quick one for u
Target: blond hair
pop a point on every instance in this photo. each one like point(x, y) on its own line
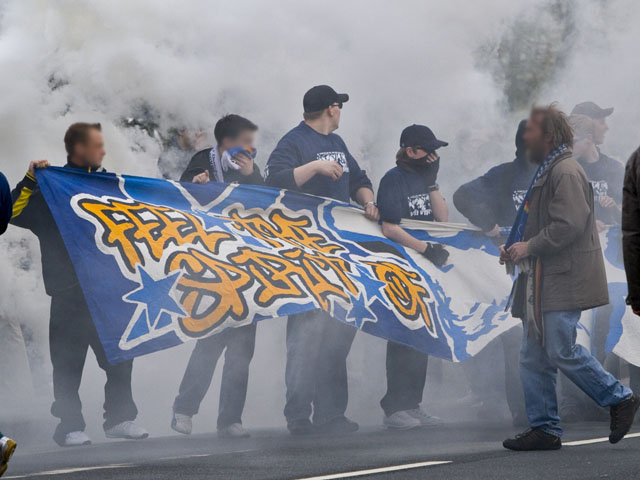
point(582, 125)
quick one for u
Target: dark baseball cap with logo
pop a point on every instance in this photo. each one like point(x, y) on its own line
point(422, 137)
point(591, 110)
point(322, 96)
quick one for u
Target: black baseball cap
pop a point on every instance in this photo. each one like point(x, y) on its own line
point(322, 96)
point(420, 136)
point(591, 110)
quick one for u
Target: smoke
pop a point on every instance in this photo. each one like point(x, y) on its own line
point(468, 70)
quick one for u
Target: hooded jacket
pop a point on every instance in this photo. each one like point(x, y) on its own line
point(494, 198)
point(30, 211)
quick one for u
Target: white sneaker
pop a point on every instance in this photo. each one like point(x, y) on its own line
point(235, 430)
point(76, 439)
point(181, 423)
point(128, 430)
point(7, 447)
point(401, 421)
point(424, 419)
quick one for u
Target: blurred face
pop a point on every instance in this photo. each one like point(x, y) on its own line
point(601, 129)
point(535, 141)
point(90, 153)
point(244, 139)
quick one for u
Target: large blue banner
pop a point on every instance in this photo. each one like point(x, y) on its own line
point(163, 262)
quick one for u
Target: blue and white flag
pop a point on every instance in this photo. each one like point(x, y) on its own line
point(162, 262)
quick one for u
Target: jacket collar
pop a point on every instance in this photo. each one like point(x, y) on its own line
point(558, 158)
point(70, 164)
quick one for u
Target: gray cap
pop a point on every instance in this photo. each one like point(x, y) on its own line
point(592, 110)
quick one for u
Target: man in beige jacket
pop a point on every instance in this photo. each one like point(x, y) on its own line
point(556, 248)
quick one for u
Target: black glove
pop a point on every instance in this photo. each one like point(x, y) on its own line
point(430, 173)
point(436, 254)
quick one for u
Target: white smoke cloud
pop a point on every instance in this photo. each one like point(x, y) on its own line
point(190, 62)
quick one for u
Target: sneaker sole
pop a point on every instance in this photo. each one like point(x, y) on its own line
point(88, 442)
point(402, 429)
point(183, 432)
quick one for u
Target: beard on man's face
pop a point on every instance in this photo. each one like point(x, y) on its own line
point(535, 156)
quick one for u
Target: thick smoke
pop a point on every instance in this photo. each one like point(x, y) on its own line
point(470, 70)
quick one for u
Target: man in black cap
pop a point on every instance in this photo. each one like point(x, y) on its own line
point(605, 174)
point(314, 160)
point(410, 191)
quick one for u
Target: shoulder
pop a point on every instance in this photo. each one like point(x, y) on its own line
point(568, 167)
point(393, 176)
point(3, 181)
point(202, 154)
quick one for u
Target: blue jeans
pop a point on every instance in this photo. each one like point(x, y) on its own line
point(316, 371)
point(539, 366)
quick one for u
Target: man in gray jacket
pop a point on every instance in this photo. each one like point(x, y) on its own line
point(555, 245)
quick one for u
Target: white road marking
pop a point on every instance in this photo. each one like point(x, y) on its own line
point(71, 470)
point(373, 471)
point(577, 443)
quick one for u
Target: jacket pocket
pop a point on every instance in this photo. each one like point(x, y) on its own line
point(556, 265)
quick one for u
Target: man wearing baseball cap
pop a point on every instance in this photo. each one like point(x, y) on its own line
point(410, 191)
point(605, 174)
point(314, 160)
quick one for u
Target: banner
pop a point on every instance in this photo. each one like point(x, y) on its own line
point(162, 263)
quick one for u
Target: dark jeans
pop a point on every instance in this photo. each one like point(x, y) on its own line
point(239, 344)
point(316, 372)
point(71, 333)
point(406, 376)
point(634, 378)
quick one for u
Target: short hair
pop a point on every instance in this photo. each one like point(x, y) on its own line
point(554, 123)
point(582, 125)
point(78, 133)
point(231, 125)
point(310, 116)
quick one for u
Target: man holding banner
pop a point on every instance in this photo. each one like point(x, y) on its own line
point(71, 328)
point(233, 133)
point(554, 243)
point(314, 160)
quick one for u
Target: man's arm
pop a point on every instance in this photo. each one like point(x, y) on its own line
point(439, 206)
point(25, 198)
point(198, 164)
point(569, 211)
point(631, 229)
point(478, 200)
point(279, 171)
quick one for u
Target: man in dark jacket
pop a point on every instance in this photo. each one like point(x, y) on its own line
point(7, 445)
point(605, 174)
point(71, 328)
point(631, 241)
point(491, 202)
point(233, 133)
point(313, 159)
point(554, 243)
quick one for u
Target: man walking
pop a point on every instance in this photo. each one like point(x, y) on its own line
point(314, 160)
point(554, 243)
point(71, 329)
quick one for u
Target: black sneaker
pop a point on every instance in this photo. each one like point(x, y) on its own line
point(300, 427)
point(533, 439)
point(622, 418)
point(338, 426)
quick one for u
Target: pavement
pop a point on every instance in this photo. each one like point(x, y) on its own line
point(454, 451)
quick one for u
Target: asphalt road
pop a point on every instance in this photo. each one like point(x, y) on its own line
point(472, 451)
